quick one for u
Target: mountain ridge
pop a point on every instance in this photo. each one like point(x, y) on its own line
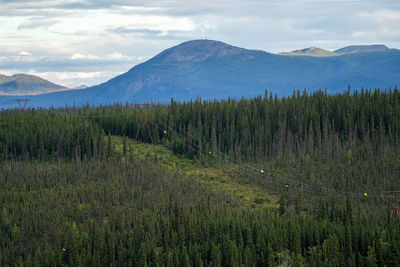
point(215, 70)
point(310, 51)
point(22, 84)
point(352, 49)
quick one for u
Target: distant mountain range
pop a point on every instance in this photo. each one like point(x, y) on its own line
point(353, 49)
point(311, 51)
point(212, 69)
point(22, 84)
point(361, 49)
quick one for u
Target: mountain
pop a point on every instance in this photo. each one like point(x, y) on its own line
point(361, 49)
point(22, 84)
point(5, 79)
point(311, 51)
point(212, 69)
point(352, 49)
point(82, 86)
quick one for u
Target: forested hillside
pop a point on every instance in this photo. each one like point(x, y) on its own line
point(69, 195)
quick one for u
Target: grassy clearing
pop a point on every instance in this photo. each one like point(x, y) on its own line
point(220, 178)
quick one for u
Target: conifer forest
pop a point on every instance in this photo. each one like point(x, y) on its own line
point(266, 181)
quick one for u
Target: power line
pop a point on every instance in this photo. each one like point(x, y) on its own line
point(302, 185)
point(22, 103)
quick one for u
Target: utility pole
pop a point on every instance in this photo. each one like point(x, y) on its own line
point(22, 103)
point(393, 199)
point(142, 108)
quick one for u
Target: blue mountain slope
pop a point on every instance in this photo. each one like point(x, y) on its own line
point(361, 49)
point(211, 69)
point(19, 84)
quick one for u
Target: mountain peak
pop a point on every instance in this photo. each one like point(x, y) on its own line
point(27, 78)
point(310, 51)
point(198, 50)
point(352, 49)
point(22, 84)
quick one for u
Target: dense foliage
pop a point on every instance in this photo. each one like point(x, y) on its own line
point(107, 213)
point(66, 198)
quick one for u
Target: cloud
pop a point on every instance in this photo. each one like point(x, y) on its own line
point(69, 79)
point(29, 4)
point(151, 33)
point(113, 56)
point(63, 77)
point(124, 30)
point(82, 56)
point(117, 56)
point(67, 64)
point(24, 53)
point(99, 36)
point(36, 23)
point(380, 24)
point(72, 79)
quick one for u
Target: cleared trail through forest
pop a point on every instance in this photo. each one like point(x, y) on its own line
point(222, 179)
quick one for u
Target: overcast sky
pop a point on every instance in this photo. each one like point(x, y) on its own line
point(72, 42)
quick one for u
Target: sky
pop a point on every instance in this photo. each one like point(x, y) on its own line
point(73, 42)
